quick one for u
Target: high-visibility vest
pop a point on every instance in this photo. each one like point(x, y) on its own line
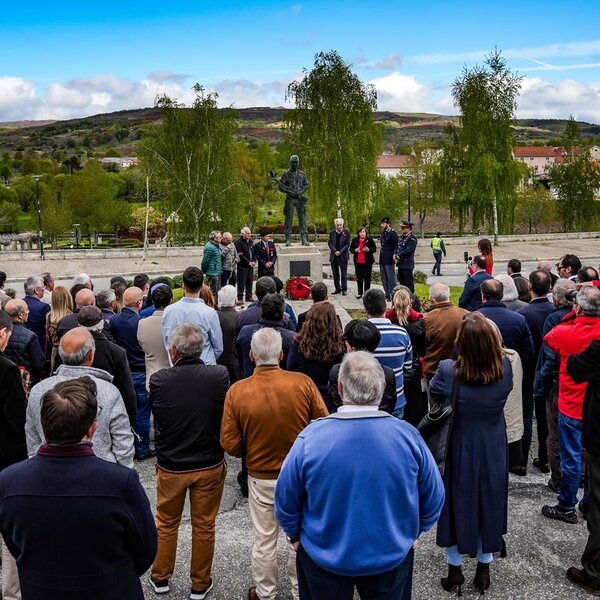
point(436, 244)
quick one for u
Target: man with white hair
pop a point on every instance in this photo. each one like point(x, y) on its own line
point(510, 295)
point(565, 340)
point(84, 279)
point(227, 319)
point(229, 259)
point(263, 415)
point(339, 245)
point(441, 326)
point(369, 542)
point(246, 264)
point(34, 292)
point(113, 440)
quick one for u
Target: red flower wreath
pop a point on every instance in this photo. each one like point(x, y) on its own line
point(298, 288)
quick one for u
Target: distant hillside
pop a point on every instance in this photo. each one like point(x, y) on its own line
point(118, 132)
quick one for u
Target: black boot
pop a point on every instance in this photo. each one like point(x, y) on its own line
point(454, 580)
point(482, 577)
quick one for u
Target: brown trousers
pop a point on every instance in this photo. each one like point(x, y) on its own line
point(206, 489)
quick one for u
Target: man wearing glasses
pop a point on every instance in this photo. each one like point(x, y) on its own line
point(568, 267)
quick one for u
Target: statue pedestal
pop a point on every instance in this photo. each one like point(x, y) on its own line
point(299, 261)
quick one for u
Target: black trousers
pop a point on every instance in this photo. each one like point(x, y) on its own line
point(405, 277)
point(315, 583)
point(339, 268)
point(245, 276)
point(228, 278)
point(542, 427)
point(437, 267)
point(591, 555)
point(363, 277)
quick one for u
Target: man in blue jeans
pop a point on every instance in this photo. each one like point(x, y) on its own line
point(124, 329)
point(568, 338)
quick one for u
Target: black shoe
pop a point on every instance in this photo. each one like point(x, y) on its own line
point(388, 298)
point(560, 514)
point(433, 272)
point(482, 577)
point(454, 581)
point(580, 579)
point(344, 293)
point(543, 467)
point(553, 485)
point(160, 587)
point(200, 595)
point(336, 292)
point(149, 454)
point(359, 296)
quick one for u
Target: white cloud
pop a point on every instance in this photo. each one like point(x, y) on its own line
point(15, 95)
point(556, 100)
point(402, 93)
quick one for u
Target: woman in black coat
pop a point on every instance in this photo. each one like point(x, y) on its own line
point(474, 517)
point(363, 250)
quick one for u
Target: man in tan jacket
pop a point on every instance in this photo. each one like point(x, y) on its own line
point(150, 332)
point(262, 418)
point(441, 326)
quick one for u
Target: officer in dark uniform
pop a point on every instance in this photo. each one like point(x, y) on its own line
point(405, 255)
point(388, 242)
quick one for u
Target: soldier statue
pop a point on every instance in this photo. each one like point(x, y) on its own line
point(294, 184)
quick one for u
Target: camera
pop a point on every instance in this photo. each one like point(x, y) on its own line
point(466, 257)
point(571, 295)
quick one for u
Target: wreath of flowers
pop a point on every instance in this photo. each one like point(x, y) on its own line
point(298, 288)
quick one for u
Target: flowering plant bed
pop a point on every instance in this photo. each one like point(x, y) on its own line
point(298, 288)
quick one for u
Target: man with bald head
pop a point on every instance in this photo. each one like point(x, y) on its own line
point(84, 297)
point(113, 440)
point(23, 346)
point(124, 328)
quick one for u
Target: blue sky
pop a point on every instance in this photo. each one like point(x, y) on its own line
point(74, 59)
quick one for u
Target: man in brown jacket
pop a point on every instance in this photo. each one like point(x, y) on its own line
point(441, 325)
point(262, 418)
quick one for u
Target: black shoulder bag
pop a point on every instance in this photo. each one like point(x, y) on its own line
point(436, 427)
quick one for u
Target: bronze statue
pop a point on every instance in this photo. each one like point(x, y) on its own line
point(294, 184)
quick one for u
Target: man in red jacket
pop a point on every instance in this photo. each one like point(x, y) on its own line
point(566, 339)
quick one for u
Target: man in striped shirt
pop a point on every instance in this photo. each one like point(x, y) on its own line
point(395, 349)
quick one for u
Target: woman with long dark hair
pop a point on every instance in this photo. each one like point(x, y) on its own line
point(318, 347)
point(474, 517)
point(363, 249)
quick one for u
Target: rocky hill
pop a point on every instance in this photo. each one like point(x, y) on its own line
point(119, 131)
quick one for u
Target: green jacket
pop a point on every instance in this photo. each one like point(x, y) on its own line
point(211, 259)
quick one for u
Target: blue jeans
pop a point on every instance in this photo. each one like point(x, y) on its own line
point(455, 557)
point(388, 278)
point(142, 422)
point(569, 434)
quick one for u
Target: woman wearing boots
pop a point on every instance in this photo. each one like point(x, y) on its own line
point(474, 516)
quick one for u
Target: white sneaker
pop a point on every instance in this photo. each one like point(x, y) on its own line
point(194, 595)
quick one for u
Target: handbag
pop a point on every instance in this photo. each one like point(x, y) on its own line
point(436, 426)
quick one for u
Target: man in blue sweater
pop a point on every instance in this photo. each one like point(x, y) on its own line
point(329, 498)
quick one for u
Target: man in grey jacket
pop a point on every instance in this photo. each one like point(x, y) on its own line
point(113, 440)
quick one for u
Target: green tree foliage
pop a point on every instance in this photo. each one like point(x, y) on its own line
point(535, 206)
point(576, 187)
point(9, 210)
point(478, 172)
point(24, 188)
point(90, 195)
point(333, 132)
point(424, 196)
point(571, 136)
point(390, 199)
point(156, 222)
point(56, 211)
point(193, 151)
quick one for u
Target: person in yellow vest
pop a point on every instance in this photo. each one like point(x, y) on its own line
point(437, 245)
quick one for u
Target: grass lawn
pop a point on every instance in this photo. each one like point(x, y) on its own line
point(422, 290)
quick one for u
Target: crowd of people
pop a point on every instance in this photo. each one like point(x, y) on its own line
point(93, 379)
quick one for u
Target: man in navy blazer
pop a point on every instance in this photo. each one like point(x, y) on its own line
point(78, 526)
point(339, 244)
point(34, 292)
point(266, 255)
point(470, 299)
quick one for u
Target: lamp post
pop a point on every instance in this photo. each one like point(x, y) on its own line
point(76, 225)
point(39, 212)
point(408, 178)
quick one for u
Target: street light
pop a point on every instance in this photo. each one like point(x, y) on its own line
point(408, 178)
point(39, 211)
point(76, 225)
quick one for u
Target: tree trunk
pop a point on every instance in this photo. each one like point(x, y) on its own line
point(495, 220)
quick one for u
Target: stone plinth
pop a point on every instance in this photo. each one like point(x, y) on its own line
point(298, 260)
